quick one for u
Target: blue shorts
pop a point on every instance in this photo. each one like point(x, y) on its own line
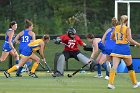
point(108, 51)
point(121, 50)
point(21, 47)
point(26, 51)
point(6, 47)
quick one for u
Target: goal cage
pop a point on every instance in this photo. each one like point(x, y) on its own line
point(128, 2)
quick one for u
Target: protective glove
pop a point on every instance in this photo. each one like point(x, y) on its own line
point(57, 40)
point(88, 48)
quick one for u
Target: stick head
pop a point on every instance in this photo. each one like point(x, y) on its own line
point(69, 75)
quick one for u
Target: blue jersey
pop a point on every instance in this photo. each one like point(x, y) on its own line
point(104, 50)
point(101, 47)
point(24, 40)
point(7, 37)
point(109, 43)
point(6, 47)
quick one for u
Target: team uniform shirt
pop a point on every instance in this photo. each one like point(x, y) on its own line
point(24, 40)
point(101, 47)
point(31, 48)
point(72, 43)
point(6, 47)
point(109, 43)
point(121, 48)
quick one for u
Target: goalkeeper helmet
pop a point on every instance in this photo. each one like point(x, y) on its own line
point(71, 33)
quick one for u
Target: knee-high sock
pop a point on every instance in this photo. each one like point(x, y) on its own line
point(99, 69)
point(28, 63)
point(112, 76)
point(105, 67)
point(108, 65)
point(12, 69)
point(19, 70)
point(17, 61)
point(132, 76)
point(34, 67)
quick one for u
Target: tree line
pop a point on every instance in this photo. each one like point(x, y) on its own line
point(55, 16)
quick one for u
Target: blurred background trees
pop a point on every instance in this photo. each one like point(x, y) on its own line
point(55, 16)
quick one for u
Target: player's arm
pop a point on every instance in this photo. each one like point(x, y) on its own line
point(81, 43)
point(95, 49)
point(33, 36)
point(113, 35)
point(85, 46)
point(10, 34)
point(16, 40)
point(41, 51)
point(130, 39)
point(104, 36)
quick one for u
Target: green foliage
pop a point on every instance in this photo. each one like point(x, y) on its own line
point(52, 16)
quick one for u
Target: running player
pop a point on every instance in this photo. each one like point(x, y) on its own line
point(29, 53)
point(122, 35)
point(25, 37)
point(97, 44)
point(8, 44)
point(71, 50)
point(109, 43)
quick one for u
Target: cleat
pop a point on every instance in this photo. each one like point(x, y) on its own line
point(136, 85)
point(57, 74)
point(25, 68)
point(106, 77)
point(98, 76)
point(111, 86)
point(7, 75)
point(33, 75)
point(18, 75)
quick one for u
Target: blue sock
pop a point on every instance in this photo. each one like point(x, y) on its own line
point(17, 61)
point(19, 70)
point(99, 69)
point(105, 67)
point(28, 63)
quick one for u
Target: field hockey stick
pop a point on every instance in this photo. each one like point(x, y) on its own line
point(71, 75)
point(54, 40)
point(64, 44)
point(133, 45)
point(41, 65)
point(48, 67)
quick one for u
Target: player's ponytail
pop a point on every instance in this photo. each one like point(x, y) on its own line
point(46, 37)
point(12, 23)
point(124, 19)
point(114, 21)
point(28, 23)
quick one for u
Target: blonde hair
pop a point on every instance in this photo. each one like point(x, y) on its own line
point(124, 19)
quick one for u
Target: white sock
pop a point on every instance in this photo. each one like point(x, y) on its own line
point(108, 66)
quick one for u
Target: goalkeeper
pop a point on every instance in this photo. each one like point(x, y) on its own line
point(71, 41)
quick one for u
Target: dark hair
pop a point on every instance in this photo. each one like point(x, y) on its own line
point(114, 21)
point(90, 36)
point(28, 23)
point(45, 37)
point(12, 23)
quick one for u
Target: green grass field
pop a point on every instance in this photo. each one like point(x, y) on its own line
point(80, 83)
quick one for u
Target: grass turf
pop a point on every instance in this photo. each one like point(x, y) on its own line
point(80, 83)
